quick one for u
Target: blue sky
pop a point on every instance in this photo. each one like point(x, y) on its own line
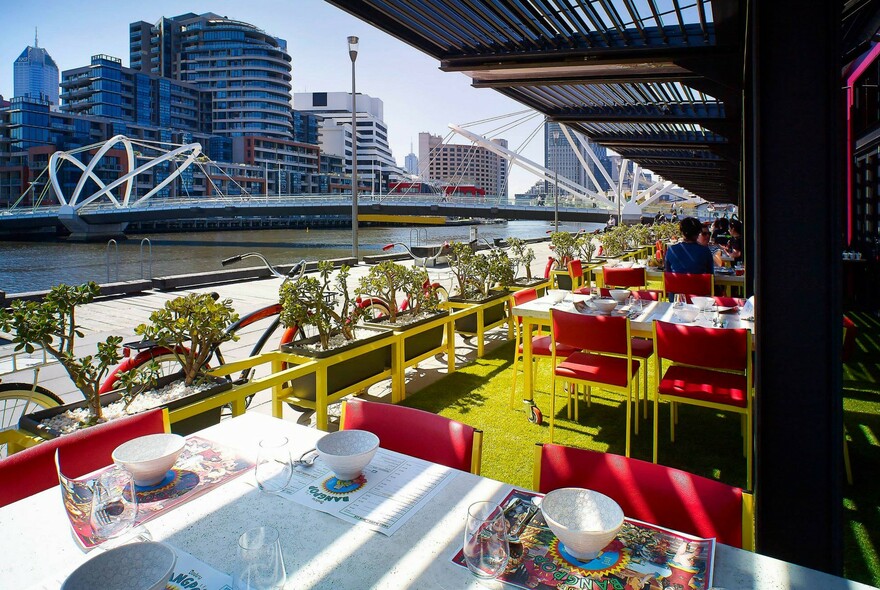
point(416, 94)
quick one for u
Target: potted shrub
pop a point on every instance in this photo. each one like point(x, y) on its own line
point(51, 324)
point(385, 282)
point(565, 248)
point(475, 275)
point(523, 256)
point(587, 247)
point(615, 241)
point(308, 303)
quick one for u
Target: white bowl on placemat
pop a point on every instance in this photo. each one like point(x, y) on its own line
point(148, 458)
point(136, 566)
point(604, 304)
point(557, 295)
point(584, 521)
point(619, 295)
point(347, 452)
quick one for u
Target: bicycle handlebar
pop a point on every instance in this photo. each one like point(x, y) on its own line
point(296, 270)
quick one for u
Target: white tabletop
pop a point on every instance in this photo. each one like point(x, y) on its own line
point(320, 550)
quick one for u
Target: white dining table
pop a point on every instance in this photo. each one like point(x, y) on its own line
point(536, 313)
point(320, 550)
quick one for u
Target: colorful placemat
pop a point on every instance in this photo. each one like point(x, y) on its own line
point(201, 466)
point(643, 556)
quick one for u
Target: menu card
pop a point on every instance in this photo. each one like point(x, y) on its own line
point(642, 556)
point(389, 491)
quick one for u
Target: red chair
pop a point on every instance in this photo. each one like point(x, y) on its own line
point(576, 272)
point(624, 278)
point(653, 493)
point(702, 285)
point(710, 367)
point(605, 359)
point(33, 470)
point(540, 344)
point(417, 433)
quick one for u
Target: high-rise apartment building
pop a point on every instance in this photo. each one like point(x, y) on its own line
point(247, 71)
point(36, 75)
point(106, 89)
point(375, 164)
point(457, 164)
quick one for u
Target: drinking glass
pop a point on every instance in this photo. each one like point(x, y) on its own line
point(274, 466)
point(114, 504)
point(260, 564)
point(486, 549)
point(678, 302)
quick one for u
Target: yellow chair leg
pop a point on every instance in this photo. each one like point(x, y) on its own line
point(552, 407)
point(629, 417)
point(656, 424)
point(749, 453)
point(846, 464)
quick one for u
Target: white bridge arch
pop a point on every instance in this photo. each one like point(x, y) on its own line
point(76, 200)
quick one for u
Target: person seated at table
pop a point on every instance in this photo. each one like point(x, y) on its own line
point(734, 246)
point(689, 256)
point(714, 249)
point(720, 231)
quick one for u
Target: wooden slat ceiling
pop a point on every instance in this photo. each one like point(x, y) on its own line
point(657, 81)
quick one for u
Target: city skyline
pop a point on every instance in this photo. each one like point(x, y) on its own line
point(417, 96)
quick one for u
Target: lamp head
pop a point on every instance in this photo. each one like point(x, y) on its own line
point(353, 48)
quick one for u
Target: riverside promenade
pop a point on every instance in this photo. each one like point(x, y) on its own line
point(118, 316)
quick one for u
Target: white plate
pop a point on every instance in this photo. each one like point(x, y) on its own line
point(137, 566)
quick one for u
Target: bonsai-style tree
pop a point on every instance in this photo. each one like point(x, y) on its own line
point(191, 327)
point(476, 273)
point(500, 269)
point(522, 255)
point(586, 247)
point(388, 279)
point(641, 234)
point(565, 246)
point(51, 324)
point(614, 241)
point(307, 301)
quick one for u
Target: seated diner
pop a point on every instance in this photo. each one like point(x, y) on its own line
point(689, 256)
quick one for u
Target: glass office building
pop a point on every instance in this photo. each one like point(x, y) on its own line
point(247, 71)
point(36, 75)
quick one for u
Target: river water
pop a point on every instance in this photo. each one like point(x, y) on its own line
point(34, 266)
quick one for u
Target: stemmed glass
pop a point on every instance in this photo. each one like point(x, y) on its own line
point(114, 504)
point(678, 303)
point(274, 466)
point(260, 563)
point(486, 548)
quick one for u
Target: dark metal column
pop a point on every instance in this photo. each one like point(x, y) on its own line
point(796, 186)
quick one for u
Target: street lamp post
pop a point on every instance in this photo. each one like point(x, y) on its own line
point(556, 180)
point(353, 53)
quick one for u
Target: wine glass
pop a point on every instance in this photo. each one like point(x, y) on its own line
point(114, 504)
point(678, 303)
point(274, 466)
point(260, 563)
point(486, 549)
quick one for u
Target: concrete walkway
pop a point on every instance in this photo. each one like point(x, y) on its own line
point(119, 316)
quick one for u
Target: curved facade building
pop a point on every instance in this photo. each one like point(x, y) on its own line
point(247, 71)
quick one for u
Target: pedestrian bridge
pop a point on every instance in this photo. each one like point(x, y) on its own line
point(98, 221)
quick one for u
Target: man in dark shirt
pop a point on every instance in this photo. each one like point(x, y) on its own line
point(689, 256)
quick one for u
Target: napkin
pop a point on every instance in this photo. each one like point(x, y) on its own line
point(748, 309)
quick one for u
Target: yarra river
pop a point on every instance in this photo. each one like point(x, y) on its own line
point(34, 266)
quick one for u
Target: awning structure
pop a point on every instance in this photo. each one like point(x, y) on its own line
point(657, 81)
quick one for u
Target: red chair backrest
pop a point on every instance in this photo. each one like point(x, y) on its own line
point(726, 301)
point(413, 432)
point(643, 294)
point(523, 296)
point(654, 493)
point(33, 470)
point(717, 348)
point(624, 277)
point(590, 332)
point(688, 284)
point(575, 269)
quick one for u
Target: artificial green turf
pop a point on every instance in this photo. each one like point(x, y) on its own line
point(707, 442)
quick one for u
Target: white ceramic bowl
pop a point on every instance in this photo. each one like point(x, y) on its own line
point(687, 313)
point(604, 304)
point(136, 566)
point(557, 295)
point(619, 295)
point(583, 520)
point(148, 458)
point(702, 303)
point(625, 264)
point(347, 452)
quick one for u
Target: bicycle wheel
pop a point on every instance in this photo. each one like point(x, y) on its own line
point(18, 399)
point(375, 310)
point(442, 293)
point(168, 365)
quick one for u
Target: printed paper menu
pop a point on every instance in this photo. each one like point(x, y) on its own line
point(391, 489)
